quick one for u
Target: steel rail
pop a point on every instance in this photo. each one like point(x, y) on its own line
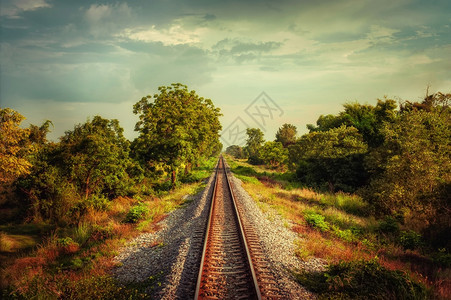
point(242, 235)
point(204, 251)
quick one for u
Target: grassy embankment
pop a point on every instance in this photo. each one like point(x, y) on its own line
point(42, 261)
point(368, 258)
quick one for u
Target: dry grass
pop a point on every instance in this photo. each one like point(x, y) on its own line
point(83, 253)
point(14, 242)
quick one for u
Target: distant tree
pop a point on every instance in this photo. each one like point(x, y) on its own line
point(15, 146)
point(366, 118)
point(254, 144)
point(176, 129)
point(286, 135)
point(274, 154)
point(236, 151)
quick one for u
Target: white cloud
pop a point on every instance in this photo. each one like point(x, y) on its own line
point(14, 8)
point(379, 34)
point(107, 19)
point(174, 35)
point(96, 13)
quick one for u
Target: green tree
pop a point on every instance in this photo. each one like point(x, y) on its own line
point(38, 134)
point(286, 135)
point(326, 122)
point(177, 129)
point(411, 169)
point(254, 144)
point(236, 151)
point(90, 165)
point(330, 158)
point(274, 154)
point(15, 146)
point(366, 118)
point(98, 156)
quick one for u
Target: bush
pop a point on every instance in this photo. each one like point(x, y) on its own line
point(98, 202)
point(410, 239)
point(442, 257)
point(136, 213)
point(346, 235)
point(243, 170)
point(316, 220)
point(362, 280)
point(388, 225)
point(100, 233)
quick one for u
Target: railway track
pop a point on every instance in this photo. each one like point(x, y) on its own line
point(233, 265)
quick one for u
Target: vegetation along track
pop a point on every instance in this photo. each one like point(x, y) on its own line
point(233, 265)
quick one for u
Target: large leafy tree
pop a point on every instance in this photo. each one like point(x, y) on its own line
point(368, 119)
point(97, 157)
point(330, 158)
point(254, 145)
point(90, 164)
point(177, 128)
point(15, 146)
point(274, 154)
point(286, 135)
point(411, 169)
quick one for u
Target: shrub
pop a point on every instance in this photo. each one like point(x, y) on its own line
point(346, 235)
point(67, 245)
point(316, 220)
point(136, 213)
point(443, 258)
point(388, 225)
point(243, 170)
point(362, 280)
point(410, 239)
point(100, 233)
point(98, 202)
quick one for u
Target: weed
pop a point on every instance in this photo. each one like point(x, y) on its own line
point(410, 239)
point(136, 213)
point(67, 245)
point(316, 220)
point(346, 235)
point(82, 233)
point(388, 225)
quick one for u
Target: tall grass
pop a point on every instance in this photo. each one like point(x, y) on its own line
point(82, 232)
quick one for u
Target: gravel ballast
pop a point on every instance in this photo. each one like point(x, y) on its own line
point(171, 256)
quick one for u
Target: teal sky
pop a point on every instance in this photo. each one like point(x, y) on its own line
point(69, 60)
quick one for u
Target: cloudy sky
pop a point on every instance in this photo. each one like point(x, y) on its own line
point(68, 60)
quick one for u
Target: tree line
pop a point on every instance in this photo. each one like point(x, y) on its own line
point(94, 163)
point(398, 158)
